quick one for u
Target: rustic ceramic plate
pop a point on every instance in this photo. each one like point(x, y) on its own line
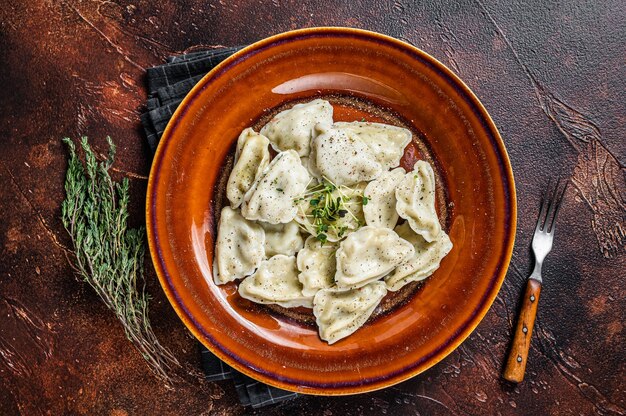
point(364, 75)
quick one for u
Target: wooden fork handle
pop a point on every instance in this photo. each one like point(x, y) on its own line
point(516, 364)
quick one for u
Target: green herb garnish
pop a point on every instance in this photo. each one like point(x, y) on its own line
point(109, 255)
point(365, 200)
point(327, 204)
point(322, 238)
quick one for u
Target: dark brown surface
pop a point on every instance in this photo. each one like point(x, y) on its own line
point(552, 77)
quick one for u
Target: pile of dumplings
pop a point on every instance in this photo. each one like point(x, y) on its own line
point(261, 235)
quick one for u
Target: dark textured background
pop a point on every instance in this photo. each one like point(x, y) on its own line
point(551, 74)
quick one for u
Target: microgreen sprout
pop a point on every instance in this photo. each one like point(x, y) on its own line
point(325, 209)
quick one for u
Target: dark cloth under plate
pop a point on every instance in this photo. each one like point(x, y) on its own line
point(167, 86)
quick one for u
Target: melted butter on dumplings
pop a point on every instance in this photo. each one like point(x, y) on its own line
point(293, 128)
point(369, 254)
point(338, 313)
point(423, 263)
point(239, 248)
point(276, 281)
point(251, 158)
point(270, 199)
point(415, 197)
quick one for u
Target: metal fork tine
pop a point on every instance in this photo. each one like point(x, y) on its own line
point(543, 208)
point(551, 199)
point(558, 201)
point(551, 205)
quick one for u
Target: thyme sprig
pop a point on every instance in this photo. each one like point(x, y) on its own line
point(109, 256)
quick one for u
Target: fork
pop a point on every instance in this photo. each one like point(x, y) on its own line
point(542, 244)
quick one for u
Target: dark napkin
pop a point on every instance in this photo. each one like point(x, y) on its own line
point(167, 86)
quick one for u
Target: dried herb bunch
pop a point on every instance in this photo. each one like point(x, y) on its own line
point(108, 255)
